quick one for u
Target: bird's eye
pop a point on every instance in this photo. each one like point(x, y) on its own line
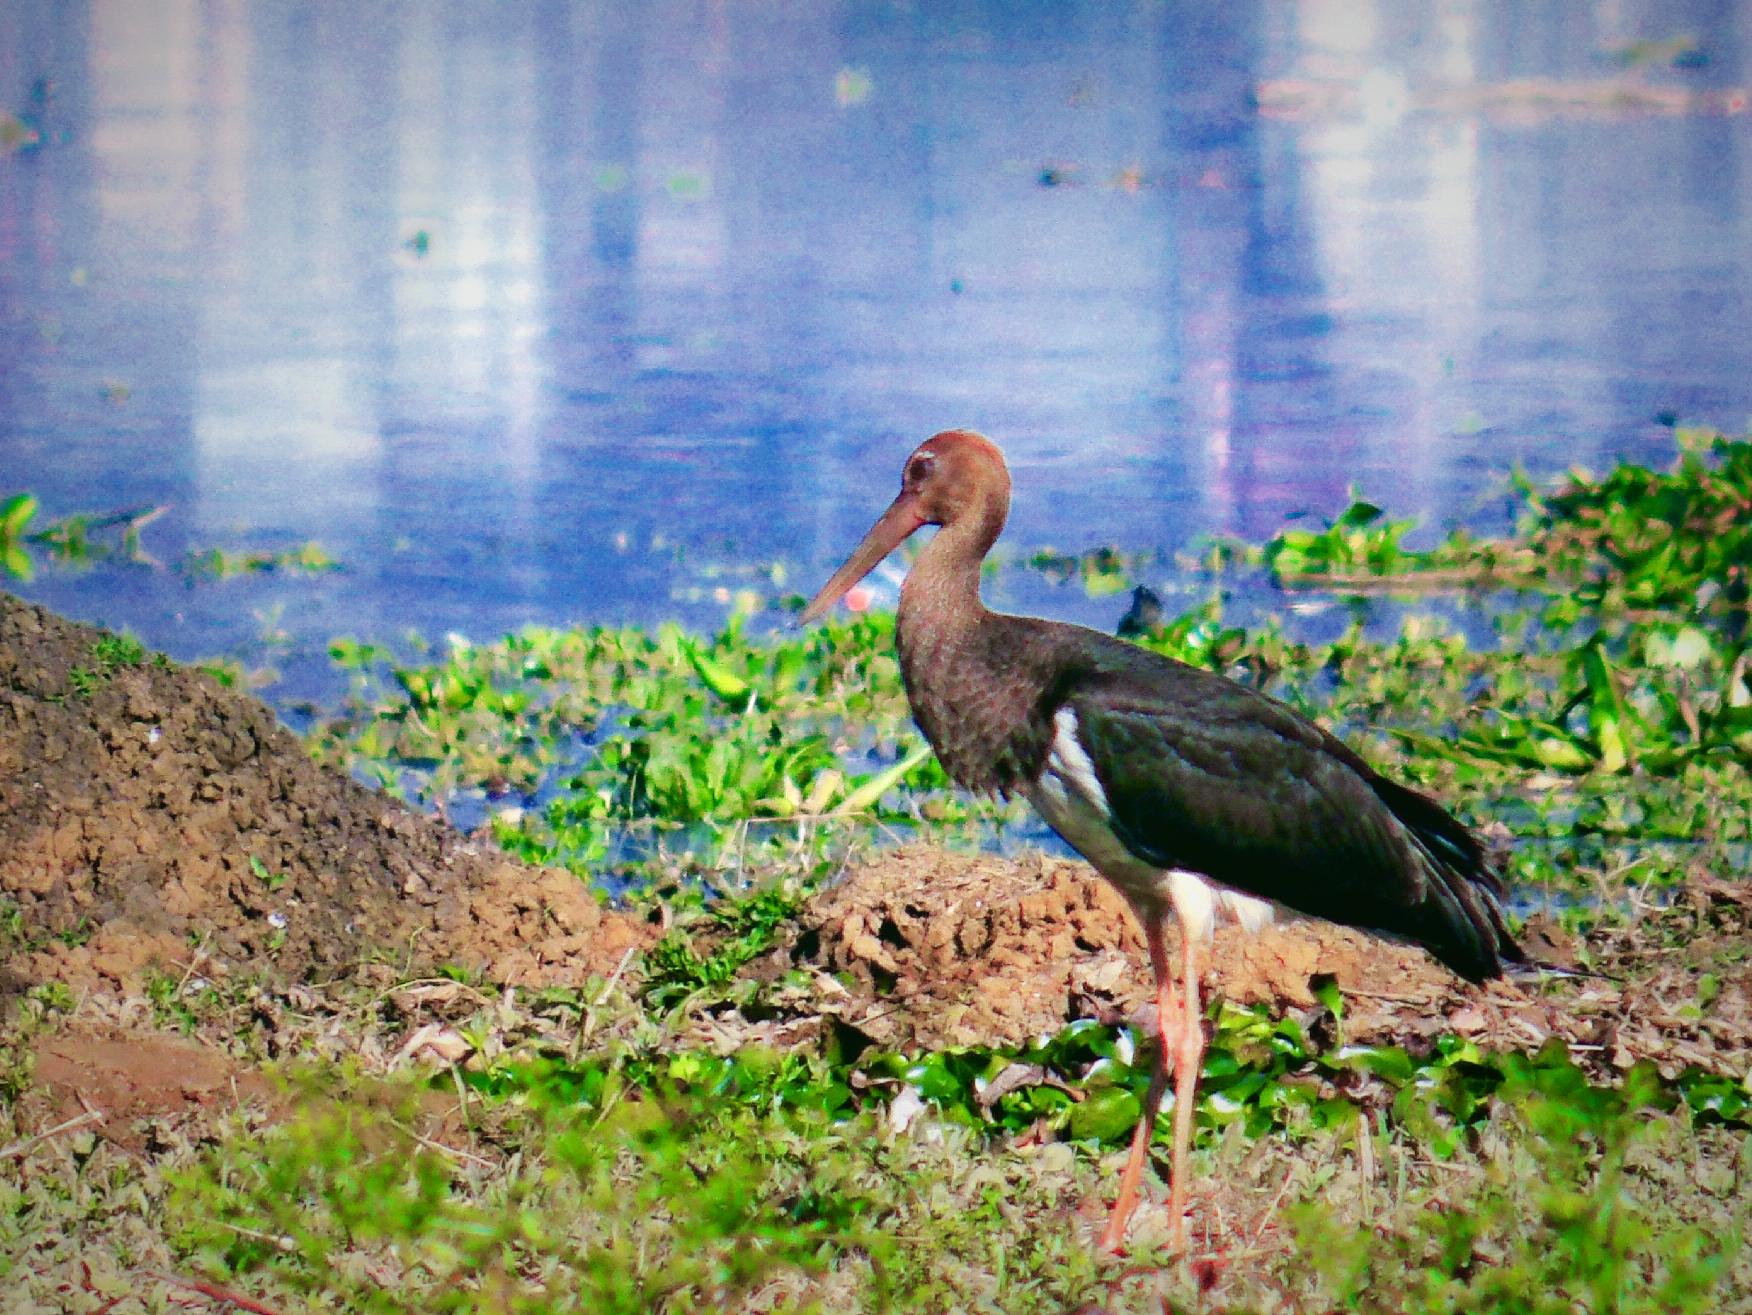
point(919, 468)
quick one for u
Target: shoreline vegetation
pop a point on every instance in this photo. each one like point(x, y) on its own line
point(783, 1023)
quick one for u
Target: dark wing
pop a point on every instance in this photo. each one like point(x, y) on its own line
point(1204, 774)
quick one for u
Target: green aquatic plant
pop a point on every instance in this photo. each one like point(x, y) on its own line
point(598, 747)
point(16, 513)
point(628, 729)
point(1689, 697)
point(1677, 542)
point(1100, 571)
point(86, 539)
point(218, 564)
point(1359, 541)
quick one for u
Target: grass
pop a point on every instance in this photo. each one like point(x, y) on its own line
point(587, 1150)
point(653, 1180)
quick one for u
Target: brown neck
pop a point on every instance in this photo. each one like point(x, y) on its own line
point(970, 674)
point(941, 590)
point(940, 596)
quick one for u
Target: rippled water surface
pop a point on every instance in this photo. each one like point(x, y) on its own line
point(551, 311)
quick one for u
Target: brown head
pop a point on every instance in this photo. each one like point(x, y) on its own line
point(956, 479)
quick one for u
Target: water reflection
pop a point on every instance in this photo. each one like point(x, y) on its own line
point(478, 296)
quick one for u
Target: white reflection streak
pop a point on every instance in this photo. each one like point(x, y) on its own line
point(1420, 258)
point(287, 432)
point(1455, 22)
point(1211, 334)
point(1452, 218)
point(476, 301)
point(1341, 26)
point(145, 76)
point(683, 236)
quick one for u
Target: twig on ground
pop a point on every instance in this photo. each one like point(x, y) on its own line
point(1420, 1000)
point(602, 995)
point(442, 1149)
point(212, 1291)
point(24, 1146)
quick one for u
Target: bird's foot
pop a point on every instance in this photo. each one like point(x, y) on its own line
point(1112, 1241)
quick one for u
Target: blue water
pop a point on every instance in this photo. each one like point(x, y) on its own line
point(567, 312)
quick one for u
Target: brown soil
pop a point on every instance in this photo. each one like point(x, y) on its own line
point(132, 805)
point(123, 1086)
point(956, 949)
point(948, 949)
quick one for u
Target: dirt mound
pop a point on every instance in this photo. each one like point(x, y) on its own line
point(921, 948)
point(152, 819)
point(955, 949)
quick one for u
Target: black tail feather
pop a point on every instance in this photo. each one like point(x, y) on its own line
point(1463, 923)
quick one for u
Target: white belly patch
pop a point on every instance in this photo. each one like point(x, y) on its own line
point(1068, 795)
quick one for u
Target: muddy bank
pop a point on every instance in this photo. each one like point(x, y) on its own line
point(153, 820)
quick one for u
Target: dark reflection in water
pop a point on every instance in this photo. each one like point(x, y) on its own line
point(533, 311)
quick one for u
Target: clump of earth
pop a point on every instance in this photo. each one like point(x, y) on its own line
point(922, 949)
point(154, 822)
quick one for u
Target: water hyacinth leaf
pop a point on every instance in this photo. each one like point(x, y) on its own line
point(1106, 1114)
point(723, 682)
point(1561, 753)
point(1388, 1062)
point(1609, 718)
point(1718, 1097)
point(15, 514)
point(870, 791)
point(821, 791)
point(1289, 1039)
point(1358, 514)
point(1609, 734)
point(1685, 647)
point(935, 1079)
point(1229, 1101)
point(1224, 1061)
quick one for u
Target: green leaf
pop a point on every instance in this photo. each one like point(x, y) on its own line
point(1562, 754)
point(722, 681)
point(15, 514)
point(1357, 515)
point(1684, 648)
point(869, 792)
point(1106, 1114)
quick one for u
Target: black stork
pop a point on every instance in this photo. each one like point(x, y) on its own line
point(1192, 794)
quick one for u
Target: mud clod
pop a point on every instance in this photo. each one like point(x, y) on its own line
point(959, 949)
point(929, 949)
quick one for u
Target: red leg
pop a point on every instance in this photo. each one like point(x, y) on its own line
point(1188, 1063)
point(1169, 1033)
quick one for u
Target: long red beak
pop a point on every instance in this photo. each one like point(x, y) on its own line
point(887, 534)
